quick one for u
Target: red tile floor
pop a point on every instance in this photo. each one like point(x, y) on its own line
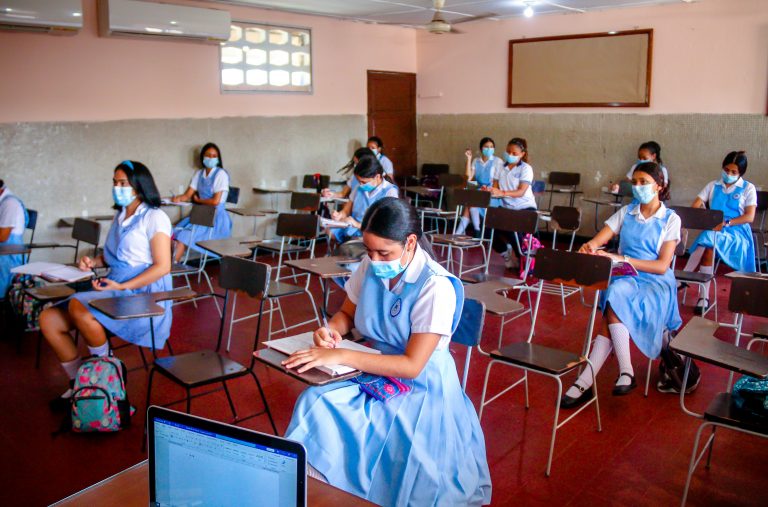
point(640, 458)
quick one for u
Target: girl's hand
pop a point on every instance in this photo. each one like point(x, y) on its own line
point(588, 248)
point(86, 263)
point(468, 154)
point(336, 215)
point(326, 338)
point(614, 257)
point(307, 359)
point(106, 284)
point(176, 198)
point(351, 221)
point(495, 192)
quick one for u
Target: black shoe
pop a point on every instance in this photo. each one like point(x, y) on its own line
point(60, 404)
point(700, 309)
point(622, 390)
point(586, 395)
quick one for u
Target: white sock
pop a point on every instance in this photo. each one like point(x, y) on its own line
point(694, 259)
point(462, 225)
point(620, 339)
point(600, 350)
point(100, 351)
point(475, 214)
point(704, 289)
point(71, 367)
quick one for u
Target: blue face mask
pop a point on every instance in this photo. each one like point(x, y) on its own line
point(641, 161)
point(376, 152)
point(387, 270)
point(368, 186)
point(643, 193)
point(211, 162)
point(123, 196)
point(729, 178)
point(488, 152)
point(512, 159)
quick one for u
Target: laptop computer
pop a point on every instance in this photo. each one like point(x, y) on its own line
point(196, 461)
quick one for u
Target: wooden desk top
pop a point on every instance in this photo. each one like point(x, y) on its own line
point(324, 267)
point(131, 487)
point(423, 191)
point(14, 249)
point(313, 377)
point(246, 212)
point(602, 202)
point(697, 340)
point(139, 305)
point(49, 292)
point(746, 274)
point(70, 221)
point(488, 293)
point(271, 190)
point(231, 247)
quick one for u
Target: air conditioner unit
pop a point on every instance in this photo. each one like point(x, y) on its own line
point(61, 17)
point(134, 18)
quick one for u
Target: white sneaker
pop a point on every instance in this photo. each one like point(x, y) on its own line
point(510, 262)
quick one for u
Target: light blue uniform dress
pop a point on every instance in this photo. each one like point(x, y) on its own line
point(136, 331)
point(734, 244)
point(222, 224)
point(646, 304)
point(484, 174)
point(422, 448)
point(361, 201)
point(8, 262)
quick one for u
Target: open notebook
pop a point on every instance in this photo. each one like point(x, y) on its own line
point(304, 341)
point(621, 268)
point(53, 271)
point(333, 224)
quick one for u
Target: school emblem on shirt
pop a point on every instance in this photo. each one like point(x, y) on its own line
point(737, 196)
point(395, 310)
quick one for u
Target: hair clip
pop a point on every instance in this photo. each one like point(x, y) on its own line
point(128, 164)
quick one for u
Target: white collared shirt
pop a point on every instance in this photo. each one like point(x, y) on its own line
point(137, 249)
point(671, 231)
point(510, 179)
point(220, 183)
point(436, 304)
point(746, 191)
point(11, 213)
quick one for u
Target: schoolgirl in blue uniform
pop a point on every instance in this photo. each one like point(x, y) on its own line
point(137, 252)
point(376, 145)
point(733, 243)
point(371, 187)
point(13, 220)
point(639, 307)
point(480, 171)
point(348, 171)
point(423, 447)
point(209, 186)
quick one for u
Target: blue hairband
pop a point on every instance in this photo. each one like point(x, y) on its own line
point(128, 164)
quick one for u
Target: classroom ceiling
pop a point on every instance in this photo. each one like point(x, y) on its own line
point(420, 12)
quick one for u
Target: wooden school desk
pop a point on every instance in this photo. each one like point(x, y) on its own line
point(324, 268)
point(131, 487)
point(615, 204)
point(70, 221)
point(14, 249)
point(274, 193)
point(313, 377)
point(231, 247)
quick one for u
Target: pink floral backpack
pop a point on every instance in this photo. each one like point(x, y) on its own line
point(100, 401)
point(529, 243)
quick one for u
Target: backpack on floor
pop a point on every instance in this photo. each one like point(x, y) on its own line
point(100, 401)
point(750, 396)
point(672, 368)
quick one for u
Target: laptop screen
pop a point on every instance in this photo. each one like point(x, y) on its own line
point(196, 465)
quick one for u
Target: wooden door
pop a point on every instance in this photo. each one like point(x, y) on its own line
point(392, 117)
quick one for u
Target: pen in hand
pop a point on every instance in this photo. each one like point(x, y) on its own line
point(330, 333)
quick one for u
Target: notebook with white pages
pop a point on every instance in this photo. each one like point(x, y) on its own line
point(326, 222)
point(53, 271)
point(304, 341)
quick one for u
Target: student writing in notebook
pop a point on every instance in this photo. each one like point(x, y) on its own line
point(137, 252)
point(733, 243)
point(348, 171)
point(13, 220)
point(209, 186)
point(480, 172)
point(643, 307)
point(421, 447)
point(371, 187)
point(512, 185)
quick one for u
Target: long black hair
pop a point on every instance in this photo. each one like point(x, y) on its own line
point(739, 158)
point(654, 148)
point(393, 219)
point(368, 166)
point(349, 168)
point(205, 148)
point(653, 170)
point(142, 182)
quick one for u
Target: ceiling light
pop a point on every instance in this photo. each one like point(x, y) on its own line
point(77, 14)
point(528, 12)
point(612, 32)
point(8, 9)
point(174, 22)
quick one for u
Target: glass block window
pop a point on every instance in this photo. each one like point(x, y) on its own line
point(265, 58)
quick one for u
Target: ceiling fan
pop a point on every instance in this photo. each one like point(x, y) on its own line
point(439, 25)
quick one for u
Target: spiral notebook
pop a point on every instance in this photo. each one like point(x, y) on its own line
point(304, 341)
